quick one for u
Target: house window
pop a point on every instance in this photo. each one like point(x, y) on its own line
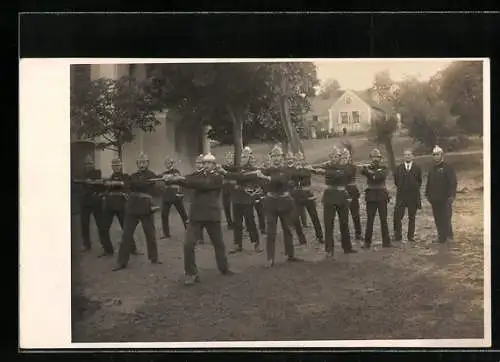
point(347, 99)
point(355, 116)
point(315, 118)
point(344, 117)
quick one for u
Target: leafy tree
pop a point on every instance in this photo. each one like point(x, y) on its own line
point(424, 113)
point(385, 123)
point(462, 87)
point(111, 110)
point(331, 89)
point(234, 98)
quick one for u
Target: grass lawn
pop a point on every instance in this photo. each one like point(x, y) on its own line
point(411, 291)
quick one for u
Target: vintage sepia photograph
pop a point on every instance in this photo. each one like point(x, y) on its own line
point(312, 200)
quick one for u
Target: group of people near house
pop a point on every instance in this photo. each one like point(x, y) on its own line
point(279, 189)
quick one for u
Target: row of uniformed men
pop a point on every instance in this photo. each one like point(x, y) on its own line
point(286, 189)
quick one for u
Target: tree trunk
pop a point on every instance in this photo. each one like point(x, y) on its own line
point(237, 136)
point(390, 153)
point(119, 151)
point(291, 133)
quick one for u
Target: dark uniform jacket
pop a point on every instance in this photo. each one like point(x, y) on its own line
point(301, 179)
point(246, 184)
point(335, 180)
point(91, 195)
point(116, 195)
point(141, 193)
point(441, 183)
point(351, 186)
point(171, 193)
point(276, 189)
point(228, 185)
point(205, 204)
point(375, 178)
point(408, 184)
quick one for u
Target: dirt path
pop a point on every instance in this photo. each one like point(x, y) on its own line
point(411, 291)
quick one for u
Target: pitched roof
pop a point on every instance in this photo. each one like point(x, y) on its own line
point(366, 96)
point(320, 106)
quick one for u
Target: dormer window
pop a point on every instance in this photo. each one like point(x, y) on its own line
point(347, 99)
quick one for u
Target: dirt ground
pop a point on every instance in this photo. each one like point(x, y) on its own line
point(411, 291)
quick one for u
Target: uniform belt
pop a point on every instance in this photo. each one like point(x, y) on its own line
point(305, 188)
point(341, 188)
point(141, 195)
point(351, 184)
point(376, 187)
point(278, 194)
point(117, 193)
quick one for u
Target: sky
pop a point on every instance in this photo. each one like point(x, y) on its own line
point(359, 74)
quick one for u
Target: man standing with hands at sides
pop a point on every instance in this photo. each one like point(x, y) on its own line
point(304, 196)
point(278, 204)
point(352, 190)
point(335, 201)
point(227, 188)
point(205, 212)
point(376, 197)
point(115, 200)
point(441, 190)
point(408, 181)
point(139, 208)
point(171, 196)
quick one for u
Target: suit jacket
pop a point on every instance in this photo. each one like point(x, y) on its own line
point(138, 183)
point(408, 184)
point(441, 183)
point(205, 203)
point(171, 193)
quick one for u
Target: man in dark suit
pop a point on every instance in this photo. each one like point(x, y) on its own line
point(441, 190)
point(408, 181)
point(171, 196)
point(205, 213)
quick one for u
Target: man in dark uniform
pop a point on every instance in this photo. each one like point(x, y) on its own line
point(115, 199)
point(139, 208)
point(376, 197)
point(303, 195)
point(408, 181)
point(441, 190)
point(335, 201)
point(353, 191)
point(278, 204)
point(205, 213)
point(291, 172)
point(171, 196)
point(91, 203)
point(227, 188)
point(242, 199)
